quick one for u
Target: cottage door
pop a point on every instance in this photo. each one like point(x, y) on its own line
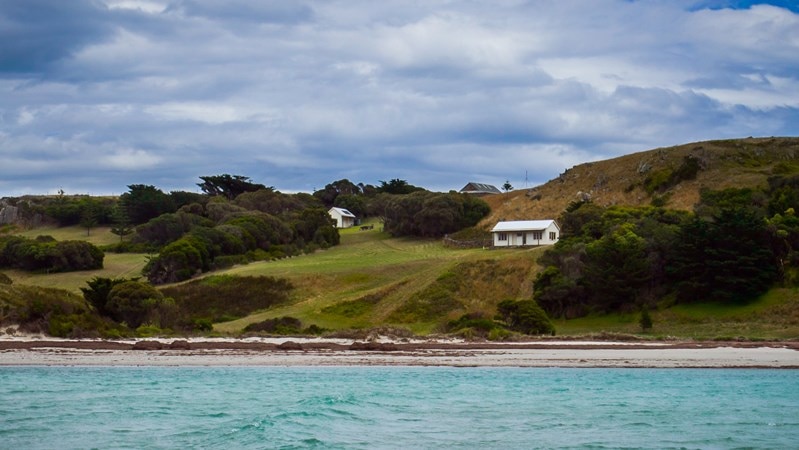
point(524, 238)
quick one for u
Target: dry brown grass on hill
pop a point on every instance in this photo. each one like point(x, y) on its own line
point(620, 181)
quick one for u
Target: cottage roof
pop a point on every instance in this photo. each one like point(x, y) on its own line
point(523, 225)
point(480, 188)
point(343, 212)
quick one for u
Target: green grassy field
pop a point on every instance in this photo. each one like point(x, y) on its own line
point(97, 236)
point(363, 282)
point(774, 316)
point(115, 265)
point(367, 264)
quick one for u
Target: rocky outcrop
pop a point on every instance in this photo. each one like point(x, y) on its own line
point(8, 213)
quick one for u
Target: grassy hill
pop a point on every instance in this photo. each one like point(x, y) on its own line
point(372, 279)
point(375, 280)
point(624, 180)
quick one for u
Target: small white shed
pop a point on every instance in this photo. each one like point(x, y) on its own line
point(518, 233)
point(343, 218)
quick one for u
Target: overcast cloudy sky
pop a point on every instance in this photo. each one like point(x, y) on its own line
point(99, 94)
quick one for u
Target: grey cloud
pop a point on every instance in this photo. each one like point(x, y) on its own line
point(269, 11)
point(300, 94)
point(38, 33)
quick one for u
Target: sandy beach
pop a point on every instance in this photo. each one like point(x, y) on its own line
point(25, 351)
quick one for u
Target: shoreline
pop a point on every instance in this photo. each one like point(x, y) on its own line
point(26, 351)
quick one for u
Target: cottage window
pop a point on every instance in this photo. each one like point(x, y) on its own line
point(553, 236)
point(503, 237)
point(538, 235)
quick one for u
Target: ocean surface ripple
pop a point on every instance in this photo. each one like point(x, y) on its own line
point(396, 407)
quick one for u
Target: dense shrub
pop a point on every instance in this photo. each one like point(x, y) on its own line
point(136, 303)
point(260, 230)
point(168, 228)
point(75, 255)
point(178, 261)
point(51, 311)
point(472, 325)
point(44, 253)
point(98, 291)
point(429, 214)
point(316, 226)
point(525, 316)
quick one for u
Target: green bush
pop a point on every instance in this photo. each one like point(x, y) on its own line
point(474, 324)
point(45, 253)
point(178, 261)
point(499, 334)
point(525, 316)
point(133, 303)
point(203, 324)
point(98, 291)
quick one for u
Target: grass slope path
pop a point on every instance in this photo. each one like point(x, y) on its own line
point(370, 275)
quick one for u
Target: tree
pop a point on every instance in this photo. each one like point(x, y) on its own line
point(352, 203)
point(120, 223)
point(144, 202)
point(98, 291)
point(88, 219)
point(331, 191)
point(558, 295)
point(229, 186)
point(616, 269)
point(316, 225)
point(728, 259)
point(507, 187)
point(397, 186)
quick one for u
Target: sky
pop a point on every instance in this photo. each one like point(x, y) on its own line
point(96, 95)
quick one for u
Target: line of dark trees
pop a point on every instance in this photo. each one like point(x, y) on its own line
point(733, 247)
point(404, 209)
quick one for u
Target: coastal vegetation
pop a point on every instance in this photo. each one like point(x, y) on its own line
point(243, 258)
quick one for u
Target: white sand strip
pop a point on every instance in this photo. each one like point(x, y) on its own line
point(719, 357)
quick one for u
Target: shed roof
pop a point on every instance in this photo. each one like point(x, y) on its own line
point(481, 188)
point(524, 225)
point(343, 212)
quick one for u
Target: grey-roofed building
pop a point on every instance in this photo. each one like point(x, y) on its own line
point(479, 189)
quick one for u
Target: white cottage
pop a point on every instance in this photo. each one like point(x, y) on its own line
point(525, 233)
point(343, 218)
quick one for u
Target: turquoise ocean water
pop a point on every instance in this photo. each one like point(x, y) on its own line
point(396, 407)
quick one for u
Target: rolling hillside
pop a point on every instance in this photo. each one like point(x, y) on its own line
point(375, 280)
point(622, 181)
